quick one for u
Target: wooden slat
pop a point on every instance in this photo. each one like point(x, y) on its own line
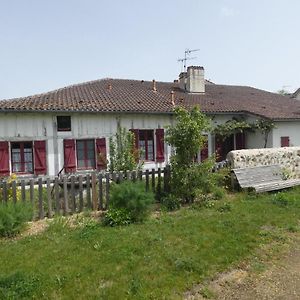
point(65, 186)
point(263, 178)
point(23, 192)
point(147, 180)
point(41, 206)
point(107, 190)
point(94, 192)
point(88, 191)
point(4, 191)
point(49, 198)
point(32, 191)
point(14, 191)
point(73, 201)
point(80, 192)
point(56, 190)
point(100, 188)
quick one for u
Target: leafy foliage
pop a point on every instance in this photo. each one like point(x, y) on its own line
point(231, 127)
point(129, 203)
point(264, 126)
point(187, 135)
point(117, 217)
point(188, 177)
point(13, 217)
point(123, 157)
point(170, 202)
point(10, 179)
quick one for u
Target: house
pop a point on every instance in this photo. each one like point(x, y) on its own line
point(68, 129)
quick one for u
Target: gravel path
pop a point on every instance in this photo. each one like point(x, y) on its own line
point(279, 281)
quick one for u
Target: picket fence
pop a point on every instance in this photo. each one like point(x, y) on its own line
point(70, 194)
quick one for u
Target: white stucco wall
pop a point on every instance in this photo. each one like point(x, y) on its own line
point(290, 129)
point(37, 126)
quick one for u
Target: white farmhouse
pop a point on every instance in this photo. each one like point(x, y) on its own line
point(68, 128)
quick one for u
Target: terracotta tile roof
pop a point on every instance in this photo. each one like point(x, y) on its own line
point(120, 95)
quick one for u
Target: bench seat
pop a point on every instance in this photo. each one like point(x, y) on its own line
point(263, 178)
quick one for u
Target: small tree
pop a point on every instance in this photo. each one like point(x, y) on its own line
point(188, 177)
point(264, 126)
point(123, 157)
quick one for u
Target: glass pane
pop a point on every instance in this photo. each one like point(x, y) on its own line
point(81, 163)
point(16, 157)
point(90, 145)
point(80, 154)
point(150, 150)
point(16, 168)
point(80, 144)
point(28, 156)
point(91, 163)
point(28, 167)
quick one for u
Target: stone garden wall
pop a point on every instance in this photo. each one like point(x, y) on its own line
point(288, 158)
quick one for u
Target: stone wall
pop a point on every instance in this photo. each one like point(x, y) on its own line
point(288, 158)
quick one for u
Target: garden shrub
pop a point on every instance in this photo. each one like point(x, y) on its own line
point(13, 217)
point(117, 217)
point(132, 202)
point(282, 199)
point(170, 202)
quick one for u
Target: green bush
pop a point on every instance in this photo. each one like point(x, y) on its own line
point(132, 199)
point(13, 217)
point(170, 203)
point(117, 217)
point(282, 199)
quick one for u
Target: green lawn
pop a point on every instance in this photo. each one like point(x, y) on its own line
point(160, 259)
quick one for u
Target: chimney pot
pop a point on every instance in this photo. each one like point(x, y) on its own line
point(172, 98)
point(154, 85)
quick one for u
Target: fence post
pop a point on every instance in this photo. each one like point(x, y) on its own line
point(88, 191)
point(49, 198)
point(80, 193)
point(133, 176)
point(153, 180)
point(94, 191)
point(32, 191)
point(23, 193)
point(4, 191)
point(14, 191)
point(65, 185)
point(107, 190)
point(73, 202)
point(56, 190)
point(100, 191)
point(147, 180)
point(158, 192)
point(41, 206)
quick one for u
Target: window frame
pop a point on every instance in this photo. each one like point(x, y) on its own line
point(64, 129)
point(85, 151)
point(146, 134)
point(22, 161)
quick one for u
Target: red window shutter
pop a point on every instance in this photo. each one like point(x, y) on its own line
point(136, 143)
point(240, 141)
point(285, 141)
point(40, 164)
point(69, 156)
point(4, 159)
point(160, 145)
point(204, 150)
point(101, 154)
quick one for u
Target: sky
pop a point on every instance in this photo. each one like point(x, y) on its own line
point(45, 45)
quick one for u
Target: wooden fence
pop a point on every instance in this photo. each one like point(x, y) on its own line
point(70, 194)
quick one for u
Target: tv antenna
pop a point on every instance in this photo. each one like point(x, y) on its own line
point(187, 52)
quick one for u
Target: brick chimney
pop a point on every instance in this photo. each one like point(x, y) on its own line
point(193, 80)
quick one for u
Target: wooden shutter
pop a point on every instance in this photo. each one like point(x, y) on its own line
point(40, 164)
point(204, 150)
point(240, 141)
point(285, 141)
point(136, 144)
point(4, 159)
point(69, 156)
point(160, 145)
point(101, 154)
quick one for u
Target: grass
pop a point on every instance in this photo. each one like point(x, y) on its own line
point(160, 259)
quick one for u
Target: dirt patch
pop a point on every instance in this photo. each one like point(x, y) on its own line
point(279, 280)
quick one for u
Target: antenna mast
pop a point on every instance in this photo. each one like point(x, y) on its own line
point(187, 52)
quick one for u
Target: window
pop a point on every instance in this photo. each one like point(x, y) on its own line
point(85, 150)
point(146, 144)
point(22, 157)
point(63, 123)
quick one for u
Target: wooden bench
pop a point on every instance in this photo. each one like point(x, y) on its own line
point(263, 178)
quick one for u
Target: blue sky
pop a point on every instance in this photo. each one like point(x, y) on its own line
point(46, 45)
